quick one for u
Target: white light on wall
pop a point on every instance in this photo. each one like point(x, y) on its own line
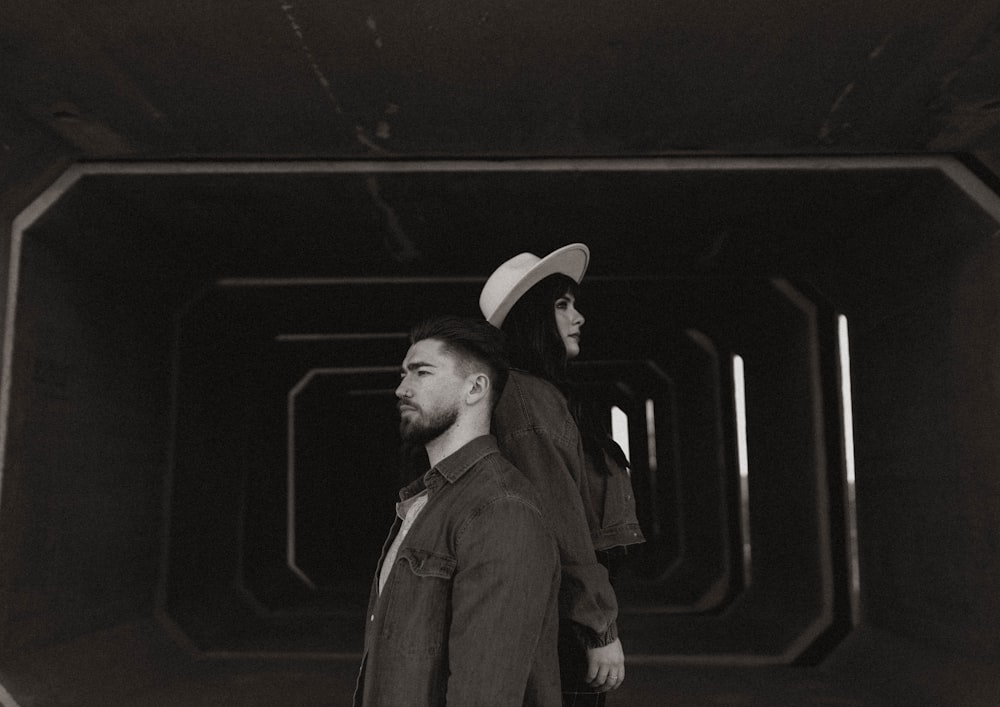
point(619, 429)
point(653, 476)
point(651, 436)
point(845, 396)
point(739, 395)
point(847, 408)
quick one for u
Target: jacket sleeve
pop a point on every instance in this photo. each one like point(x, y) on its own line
point(553, 465)
point(503, 601)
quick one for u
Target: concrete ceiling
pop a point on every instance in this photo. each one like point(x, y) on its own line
point(148, 79)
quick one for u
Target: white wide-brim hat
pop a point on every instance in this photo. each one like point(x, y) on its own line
point(519, 274)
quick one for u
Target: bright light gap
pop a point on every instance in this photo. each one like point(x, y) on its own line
point(651, 435)
point(739, 400)
point(653, 466)
point(843, 342)
point(619, 429)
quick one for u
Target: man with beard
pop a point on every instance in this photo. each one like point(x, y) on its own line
point(463, 607)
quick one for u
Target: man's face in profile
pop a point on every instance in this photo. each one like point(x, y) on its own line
point(429, 392)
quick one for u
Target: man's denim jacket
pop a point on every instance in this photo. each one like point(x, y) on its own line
point(468, 616)
point(586, 509)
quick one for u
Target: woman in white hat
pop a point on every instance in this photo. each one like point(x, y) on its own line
point(543, 427)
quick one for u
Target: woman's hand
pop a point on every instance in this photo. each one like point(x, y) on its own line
point(606, 666)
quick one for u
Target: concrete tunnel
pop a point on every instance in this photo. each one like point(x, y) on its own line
point(200, 448)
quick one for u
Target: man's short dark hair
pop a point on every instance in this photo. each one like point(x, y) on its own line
point(472, 340)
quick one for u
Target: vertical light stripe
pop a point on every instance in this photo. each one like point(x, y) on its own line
point(739, 395)
point(851, 510)
point(619, 429)
point(654, 467)
point(651, 436)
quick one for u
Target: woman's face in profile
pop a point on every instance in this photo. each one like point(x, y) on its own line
point(568, 323)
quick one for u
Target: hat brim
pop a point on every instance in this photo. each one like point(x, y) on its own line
point(570, 260)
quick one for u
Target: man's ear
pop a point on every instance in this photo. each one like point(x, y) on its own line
point(479, 388)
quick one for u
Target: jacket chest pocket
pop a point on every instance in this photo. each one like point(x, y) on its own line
point(417, 596)
point(424, 563)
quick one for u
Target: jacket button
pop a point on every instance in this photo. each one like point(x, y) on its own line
point(372, 618)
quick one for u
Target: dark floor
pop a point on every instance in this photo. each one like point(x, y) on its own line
point(137, 665)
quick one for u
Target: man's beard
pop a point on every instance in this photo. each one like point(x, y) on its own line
point(418, 431)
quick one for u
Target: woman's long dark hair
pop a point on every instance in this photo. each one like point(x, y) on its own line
point(535, 346)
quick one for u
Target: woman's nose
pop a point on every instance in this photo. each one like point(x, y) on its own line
point(579, 317)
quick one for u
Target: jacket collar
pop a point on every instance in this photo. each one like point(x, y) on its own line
point(454, 466)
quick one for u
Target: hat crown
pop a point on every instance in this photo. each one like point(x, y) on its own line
point(504, 279)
